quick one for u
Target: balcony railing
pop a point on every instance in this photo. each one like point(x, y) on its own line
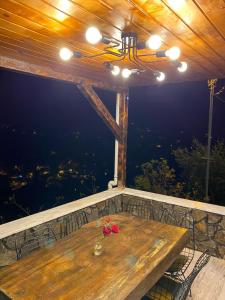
point(209, 220)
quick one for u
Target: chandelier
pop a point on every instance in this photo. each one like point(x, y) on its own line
point(129, 49)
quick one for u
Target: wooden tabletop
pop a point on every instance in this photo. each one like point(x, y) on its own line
point(131, 262)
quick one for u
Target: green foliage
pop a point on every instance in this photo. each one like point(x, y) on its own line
point(158, 177)
point(193, 165)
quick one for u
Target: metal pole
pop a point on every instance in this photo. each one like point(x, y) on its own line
point(211, 85)
point(113, 183)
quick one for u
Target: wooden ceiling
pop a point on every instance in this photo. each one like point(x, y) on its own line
point(33, 31)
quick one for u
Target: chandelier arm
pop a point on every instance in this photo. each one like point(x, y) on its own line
point(122, 51)
point(136, 62)
point(113, 53)
point(94, 55)
point(116, 44)
point(146, 55)
point(144, 66)
point(147, 68)
point(150, 62)
point(131, 53)
point(106, 51)
point(123, 47)
point(139, 62)
point(116, 60)
point(149, 54)
point(130, 49)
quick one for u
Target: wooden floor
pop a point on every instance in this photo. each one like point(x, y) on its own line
point(210, 283)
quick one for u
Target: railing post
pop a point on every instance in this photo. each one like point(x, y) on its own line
point(122, 147)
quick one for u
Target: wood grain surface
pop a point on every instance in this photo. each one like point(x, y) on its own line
point(101, 110)
point(131, 262)
point(33, 31)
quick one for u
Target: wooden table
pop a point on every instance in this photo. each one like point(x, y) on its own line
point(131, 262)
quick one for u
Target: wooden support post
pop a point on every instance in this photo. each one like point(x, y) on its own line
point(101, 110)
point(123, 124)
point(119, 130)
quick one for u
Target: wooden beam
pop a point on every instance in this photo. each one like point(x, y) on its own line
point(122, 145)
point(46, 71)
point(101, 110)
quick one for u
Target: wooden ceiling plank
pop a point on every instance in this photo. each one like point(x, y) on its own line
point(35, 30)
point(196, 21)
point(53, 2)
point(204, 11)
point(68, 67)
point(128, 21)
point(77, 20)
point(82, 12)
point(20, 10)
point(53, 53)
point(24, 23)
point(214, 10)
point(85, 48)
point(187, 32)
point(25, 52)
point(23, 31)
point(147, 77)
point(31, 46)
point(148, 23)
point(56, 37)
point(158, 13)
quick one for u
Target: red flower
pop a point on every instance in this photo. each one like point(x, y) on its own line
point(106, 230)
point(115, 228)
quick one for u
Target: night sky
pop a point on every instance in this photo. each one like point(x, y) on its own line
point(171, 116)
point(40, 116)
point(165, 115)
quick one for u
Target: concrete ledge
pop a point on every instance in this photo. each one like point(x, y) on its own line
point(211, 208)
point(22, 224)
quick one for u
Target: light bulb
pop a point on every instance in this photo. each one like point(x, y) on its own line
point(160, 76)
point(154, 42)
point(176, 4)
point(115, 70)
point(93, 35)
point(173, 53)
point(65, 53)
point(126, 73)
point(182, 66)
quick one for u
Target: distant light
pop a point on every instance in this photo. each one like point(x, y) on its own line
point(115, 70)
point(182, 67)
point(65, 54)
point(173, 53)
point(126, 73)
point(176, 4)
point(160, 76)
point(93, 35)
point(154, 42)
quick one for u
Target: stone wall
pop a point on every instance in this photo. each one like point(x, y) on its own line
point(209, 227)
point(57, 228)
